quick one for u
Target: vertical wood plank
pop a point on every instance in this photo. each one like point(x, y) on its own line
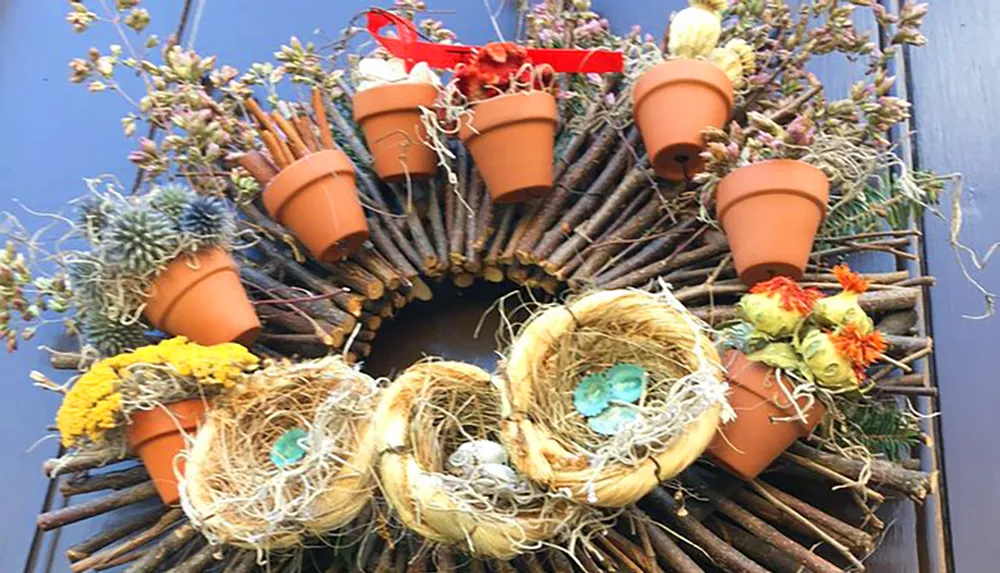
point(952, 85)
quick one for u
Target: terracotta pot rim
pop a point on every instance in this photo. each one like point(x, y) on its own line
point(407, 96)
point(148, 425)
point(214, 265)
point(684, 70)
point(729, 192)
point(498, 111)
point(322, 163)
point(739, 386)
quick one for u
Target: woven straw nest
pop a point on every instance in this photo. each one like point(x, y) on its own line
point(315, 417)
point(548, 439)
point(423, 418)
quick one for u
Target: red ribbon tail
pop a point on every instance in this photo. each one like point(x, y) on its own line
point(445, 56)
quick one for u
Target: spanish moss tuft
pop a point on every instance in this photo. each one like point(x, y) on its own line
point(94, 213)
point(85, 281)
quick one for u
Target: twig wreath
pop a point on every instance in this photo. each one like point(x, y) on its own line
point(638, 220)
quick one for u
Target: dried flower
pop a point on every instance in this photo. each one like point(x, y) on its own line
point(498, 68)
point(95, 404)
point(694, 31)
point(825, 363)
point(843, 308)
point(730, 63)
point(777, 307)
point(137, 19)
point(80, 17)
point(838, 359)
point(745, 51)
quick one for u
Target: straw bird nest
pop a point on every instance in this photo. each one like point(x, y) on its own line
point(444, 471)
point(618, 448)
point(287, 454)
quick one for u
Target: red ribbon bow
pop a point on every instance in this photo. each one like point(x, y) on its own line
point(445, 56)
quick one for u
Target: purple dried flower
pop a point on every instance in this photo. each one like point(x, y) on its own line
point(801, 131)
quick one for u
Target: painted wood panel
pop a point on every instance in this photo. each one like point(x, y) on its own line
point(953, 88)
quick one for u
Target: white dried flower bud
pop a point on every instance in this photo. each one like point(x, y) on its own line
point(694, 32)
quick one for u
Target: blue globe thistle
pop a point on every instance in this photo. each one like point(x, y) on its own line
point(207, 220)
point(93, 214)
point(140, 240)
point(111, 337)
point(85, 281)
point(171, 199)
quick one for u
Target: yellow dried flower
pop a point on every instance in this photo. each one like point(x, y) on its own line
point(729, 62)
point(93, 404)
point(747, 56)
point(694, 32)
point(843, 309)
point(828, 366)
point(716, 6)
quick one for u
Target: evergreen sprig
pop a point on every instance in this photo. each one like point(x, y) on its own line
point(884, 428)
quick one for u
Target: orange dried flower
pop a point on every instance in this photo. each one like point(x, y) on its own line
point(494, 67)
point(794, 298)
point(859, 348)
point(849, 280)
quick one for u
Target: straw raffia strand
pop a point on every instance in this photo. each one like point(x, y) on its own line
point(549, 441)
point(235, 494)
point(423, 416)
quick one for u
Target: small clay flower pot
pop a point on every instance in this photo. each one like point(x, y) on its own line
point(512, 139)
point(200, 296)
point(316, 199)
point(158, 435)
point(763, 428)
point(390, 117)
point(672, 104)
point(770, 212)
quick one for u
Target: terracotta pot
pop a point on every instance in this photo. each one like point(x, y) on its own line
point(316, 199)
point(770, 212)
point(158, 435)
point(512, 139)
point(200, 296)
point(749, 444)
point(672, 104)
point(390, 117)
